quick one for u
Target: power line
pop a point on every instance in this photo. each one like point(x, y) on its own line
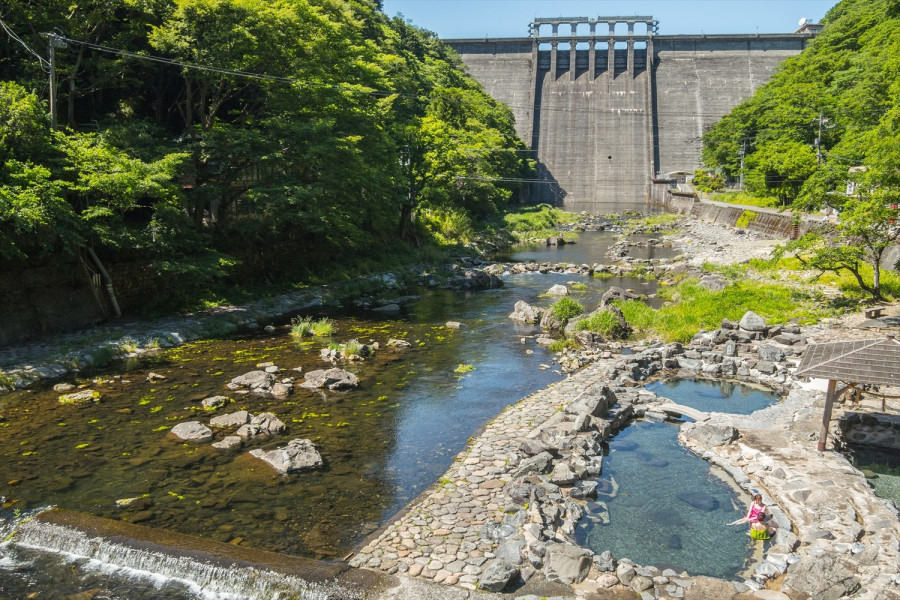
point(45, 65)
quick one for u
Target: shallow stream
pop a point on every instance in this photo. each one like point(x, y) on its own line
point(383, 443)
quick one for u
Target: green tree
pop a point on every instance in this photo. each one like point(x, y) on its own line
point(780, 168)
point(867, 227)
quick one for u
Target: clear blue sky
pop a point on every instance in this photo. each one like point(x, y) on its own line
point(510, 18)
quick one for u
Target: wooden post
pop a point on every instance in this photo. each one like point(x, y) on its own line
point(826, 416)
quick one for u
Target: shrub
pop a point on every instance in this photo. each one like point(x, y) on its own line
point(604, 322)
point(566, 308)
point(560, 345)
point(323, 327)
point(303, 326)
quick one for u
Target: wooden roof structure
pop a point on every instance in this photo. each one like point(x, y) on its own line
point(874, 362)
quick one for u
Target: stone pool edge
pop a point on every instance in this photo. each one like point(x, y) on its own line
point(777, 459)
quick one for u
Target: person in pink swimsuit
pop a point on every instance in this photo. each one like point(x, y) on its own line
point(756, 516)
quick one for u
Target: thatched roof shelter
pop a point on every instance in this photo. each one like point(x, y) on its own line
point(857, 362)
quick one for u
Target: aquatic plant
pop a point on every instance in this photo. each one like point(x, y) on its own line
point(464, 369)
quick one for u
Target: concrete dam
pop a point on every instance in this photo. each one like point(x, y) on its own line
point(607, 106)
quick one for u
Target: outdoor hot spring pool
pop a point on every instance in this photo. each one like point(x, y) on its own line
point(664, 505)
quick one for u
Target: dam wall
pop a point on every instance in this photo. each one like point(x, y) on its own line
point(604, 113)
point(699, 79)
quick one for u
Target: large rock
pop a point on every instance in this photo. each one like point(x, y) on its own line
point(825, 577)
point(267, 423)
point(192, 431)
point(594, 402)
point(752, 322)
point(235, 419)
point(558, 290)
point(567, 564)
point(497, 575)
point(299, 455)
point(333, 379)
point(770, 353)
point(258, 382)
point(616, 293)
point(214, 402)
point(82, 397)
point(713, 435)
point(539, 463)
point(525, 313)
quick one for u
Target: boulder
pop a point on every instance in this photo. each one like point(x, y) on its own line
point(82, 397)
point(247, 432)
point(497, 575)
point(558, 290)
point(567, 564)
point(267, 423)
point(62, 388)
point(752, 322)
point(192, 431)
point(550, 322)
point(234, 419)
point(228, 442)
point(595, 402)
point(214, 402)
point(616, 293)
point(539, 463)
point(770, 353)
point(258, 382)
point(713, 435)
point(299, 455)
point(333, 379)
point(510, 552)
point(525, 313)
point(825, 577)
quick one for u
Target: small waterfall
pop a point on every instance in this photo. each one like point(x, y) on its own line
point(205, 580)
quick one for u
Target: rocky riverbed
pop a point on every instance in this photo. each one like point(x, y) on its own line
point(502, 517)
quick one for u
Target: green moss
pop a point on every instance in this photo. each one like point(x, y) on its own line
point(464, 369)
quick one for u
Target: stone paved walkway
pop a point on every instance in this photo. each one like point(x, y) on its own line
point(439, 537)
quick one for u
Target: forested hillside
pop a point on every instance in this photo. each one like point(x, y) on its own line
point(202, 135)
point(850, 77)
point(825, 133)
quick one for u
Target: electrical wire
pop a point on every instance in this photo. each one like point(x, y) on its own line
point(45, 65)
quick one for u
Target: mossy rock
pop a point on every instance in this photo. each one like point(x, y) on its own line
point(81, 397)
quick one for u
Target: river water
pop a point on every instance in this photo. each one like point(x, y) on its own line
point(383, 443)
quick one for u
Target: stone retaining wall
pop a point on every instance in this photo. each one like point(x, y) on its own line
point(871, 429)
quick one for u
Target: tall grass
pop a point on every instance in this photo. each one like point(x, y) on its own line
point(603, 322)
point(694, 308)
point(535, 221)
point(745, 199)
point(305, 326)
point(565, 308)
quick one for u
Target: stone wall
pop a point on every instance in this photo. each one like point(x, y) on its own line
point(870, 429)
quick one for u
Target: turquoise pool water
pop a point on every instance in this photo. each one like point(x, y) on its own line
point(714, 396)
point(665, 507)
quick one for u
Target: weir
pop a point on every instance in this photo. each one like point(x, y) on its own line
point(606, 104)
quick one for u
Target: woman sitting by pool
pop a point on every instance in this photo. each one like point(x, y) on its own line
point(756, 516)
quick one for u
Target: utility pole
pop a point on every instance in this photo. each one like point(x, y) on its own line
point(819, 139)
point(742, 153)
point(53, 43)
